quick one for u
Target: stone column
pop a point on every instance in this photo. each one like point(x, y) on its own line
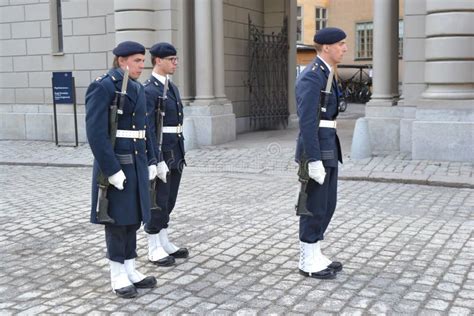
point(204, 51)
point(185, 47)
point(444, 124)
point(385, 55)
point(218, 49)
point(449, 50)
point(211, 120)
point(134, 21)
point(382, 120)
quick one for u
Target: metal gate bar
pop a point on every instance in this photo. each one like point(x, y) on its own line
point(268, 78)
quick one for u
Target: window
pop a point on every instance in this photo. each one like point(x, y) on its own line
point(364, 40)
point(321, 18)
point(299, 24)
point(400, 39)
point(56, 27)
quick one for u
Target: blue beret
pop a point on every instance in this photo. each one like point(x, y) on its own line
point(329, 35)
point(163, 50)
point(128, 48)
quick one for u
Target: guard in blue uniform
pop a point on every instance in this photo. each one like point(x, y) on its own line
point(128, 165)
point(319, 147)
point(161, 251)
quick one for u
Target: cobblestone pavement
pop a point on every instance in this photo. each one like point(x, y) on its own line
point(407, 249)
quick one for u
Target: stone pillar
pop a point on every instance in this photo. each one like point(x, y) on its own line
point(212, 120)
point(134, 21)
point(444, 124)
point(385, 55)
point(383, 120)
point(449, 50)
point(185, 45)
point(204, 51)
point(218, 49)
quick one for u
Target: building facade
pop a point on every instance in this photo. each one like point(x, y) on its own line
point(38, 37)
point(432, 118)
point(422, 55)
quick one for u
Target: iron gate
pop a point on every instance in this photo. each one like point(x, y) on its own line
point(268, 78)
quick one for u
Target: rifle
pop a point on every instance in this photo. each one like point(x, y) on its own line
point(303, 178)
point(303, 174)
point(115, 109)
point(160, 113)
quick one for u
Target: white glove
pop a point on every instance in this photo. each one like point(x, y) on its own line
point(151, 172)
point(316, 171)
point(162, 170)
point(117, 180)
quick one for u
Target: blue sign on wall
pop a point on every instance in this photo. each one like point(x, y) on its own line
point(63, 88)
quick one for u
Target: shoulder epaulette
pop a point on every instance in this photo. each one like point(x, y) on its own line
point(100, 78)
point(146, 83)
point(315, 66)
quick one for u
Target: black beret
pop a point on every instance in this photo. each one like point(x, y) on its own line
point(163, 50)
point(128, 48)
point(329, 35)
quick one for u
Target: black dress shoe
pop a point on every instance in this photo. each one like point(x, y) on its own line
point(164, 262)
point(126, 292)
point(336, 266)
point(323, 274)
point(147, 283)
point(180, 253)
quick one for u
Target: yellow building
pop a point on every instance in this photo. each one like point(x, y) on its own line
point(354, 17)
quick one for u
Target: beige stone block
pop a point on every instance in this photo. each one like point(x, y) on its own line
point(30, 95)
point(5, 31)
point(13, 14)
point(6, 64)
point(34, 12)
point(458, 47)
point(414, 26)
point(40, 79)
point(449, 71)
point(102, 43)
point(12, 126)
point(45, 27)
point(58, 63)
point(451, 5)
point(139, 20)
point(82, 78)
point(27, 63)
point(415, 7)
point(414, 72)
point(414, 49)
point(13, 47)
point(26, 30)
point(146, 38)
point(123, 5)
point(89, 26)
point(76, 9)
point(39, 126)
point(100, 7)
point(14, 80)
point(39, 46)
point(7, 96)
point(450, 23)
point(76, 44)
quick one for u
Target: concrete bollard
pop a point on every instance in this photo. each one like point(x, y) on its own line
point(361, 148)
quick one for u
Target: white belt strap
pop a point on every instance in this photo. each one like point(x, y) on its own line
point(173, 129)
point(124, 133)
point(328, 124)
